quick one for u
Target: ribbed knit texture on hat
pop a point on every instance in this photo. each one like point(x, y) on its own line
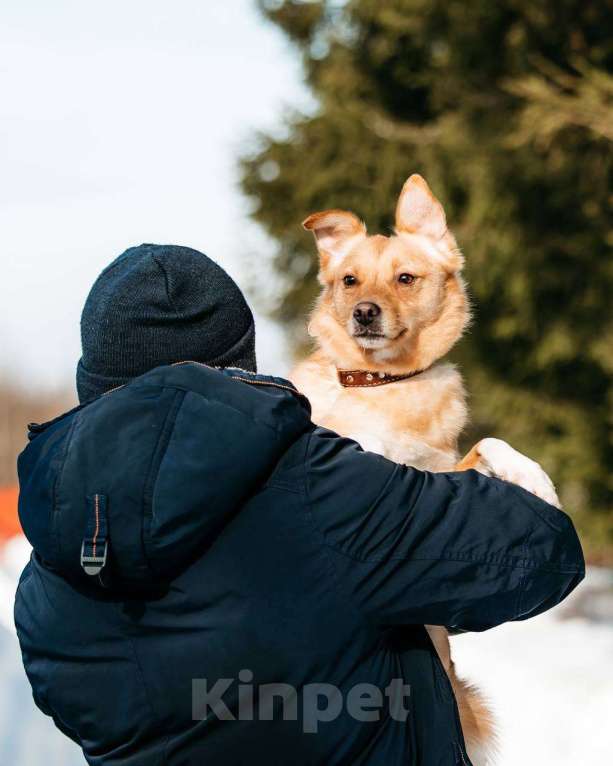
point(158, 304)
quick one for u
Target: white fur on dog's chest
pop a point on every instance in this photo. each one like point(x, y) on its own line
point(414, 421)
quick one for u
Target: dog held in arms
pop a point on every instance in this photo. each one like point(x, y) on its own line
point(390, 309)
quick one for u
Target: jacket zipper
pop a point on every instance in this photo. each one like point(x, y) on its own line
point(251, 381)
point(234, 377)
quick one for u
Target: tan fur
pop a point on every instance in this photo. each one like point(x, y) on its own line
point(415, 421)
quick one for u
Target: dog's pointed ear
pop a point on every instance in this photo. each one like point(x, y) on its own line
point(336, 232)
point(418, 211)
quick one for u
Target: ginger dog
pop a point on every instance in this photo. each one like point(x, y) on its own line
point(390, 309)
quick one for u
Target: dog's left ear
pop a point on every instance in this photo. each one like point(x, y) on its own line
point(418, 211)
point(336, 232)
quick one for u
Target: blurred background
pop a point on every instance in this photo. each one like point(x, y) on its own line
point(221, 126)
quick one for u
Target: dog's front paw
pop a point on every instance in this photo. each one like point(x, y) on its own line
point(497, 458)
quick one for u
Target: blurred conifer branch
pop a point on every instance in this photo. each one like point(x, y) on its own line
point(555, 100)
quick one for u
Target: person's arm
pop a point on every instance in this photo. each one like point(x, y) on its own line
point(454, 549)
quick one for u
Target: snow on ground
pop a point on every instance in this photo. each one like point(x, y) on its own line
point(550, 681)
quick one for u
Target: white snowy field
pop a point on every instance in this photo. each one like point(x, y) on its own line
point(550, 681)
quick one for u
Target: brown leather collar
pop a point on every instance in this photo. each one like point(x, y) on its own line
point(366, 378)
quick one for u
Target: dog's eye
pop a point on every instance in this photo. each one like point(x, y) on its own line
point(349, 280)
point(406, 279)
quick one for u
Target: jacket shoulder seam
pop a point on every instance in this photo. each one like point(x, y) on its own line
point(507, 563)
point(324, 547)
point(285, 485)
point(326, 541)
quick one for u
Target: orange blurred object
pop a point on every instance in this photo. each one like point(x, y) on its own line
point(9, 522)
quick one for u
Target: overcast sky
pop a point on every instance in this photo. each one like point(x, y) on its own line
point(121, 123)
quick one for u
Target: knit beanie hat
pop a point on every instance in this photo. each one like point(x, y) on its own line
point(158, 304)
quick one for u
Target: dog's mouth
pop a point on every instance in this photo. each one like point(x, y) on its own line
point(366, 333)
point(373, 338)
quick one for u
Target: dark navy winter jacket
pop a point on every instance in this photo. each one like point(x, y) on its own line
point(241, 537)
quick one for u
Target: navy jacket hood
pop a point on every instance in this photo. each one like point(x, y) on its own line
point(92, 460)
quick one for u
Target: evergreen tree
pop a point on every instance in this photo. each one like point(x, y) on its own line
point(506, 108)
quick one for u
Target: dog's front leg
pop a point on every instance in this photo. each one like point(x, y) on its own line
point(440, 638)
point(494, 457)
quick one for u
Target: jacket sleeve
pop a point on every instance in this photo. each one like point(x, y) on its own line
point(454, 549)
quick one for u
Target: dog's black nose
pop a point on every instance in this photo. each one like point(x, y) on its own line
point(366, 313)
